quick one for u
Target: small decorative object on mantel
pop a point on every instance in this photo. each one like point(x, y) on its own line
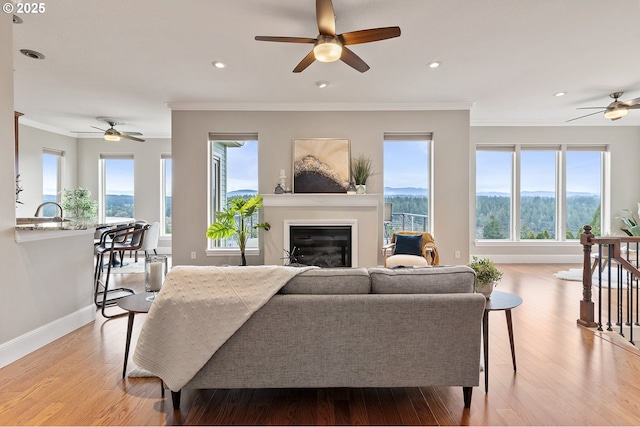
point(278, 189)
point(487, 275)
point(361, 169)
point(352, 188)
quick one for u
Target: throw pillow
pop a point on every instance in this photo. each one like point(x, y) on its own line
point(408, 244)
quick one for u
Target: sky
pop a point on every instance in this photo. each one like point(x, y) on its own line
point(538, 171)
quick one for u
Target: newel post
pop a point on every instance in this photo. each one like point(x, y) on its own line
point(586, 305)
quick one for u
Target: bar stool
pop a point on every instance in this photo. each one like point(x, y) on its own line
point(113, 242)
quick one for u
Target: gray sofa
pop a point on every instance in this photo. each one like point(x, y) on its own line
point(357, 327)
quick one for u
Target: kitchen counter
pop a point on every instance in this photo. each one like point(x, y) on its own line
point(31, 231)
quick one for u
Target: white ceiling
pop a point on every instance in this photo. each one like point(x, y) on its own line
point(503, 59)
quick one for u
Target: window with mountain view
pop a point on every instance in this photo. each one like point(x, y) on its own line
point(494, 180)
point(548, 204)
point(117, 185)
point(407, 180)
point(51, 180)
point(234, 173)
point(166, 194)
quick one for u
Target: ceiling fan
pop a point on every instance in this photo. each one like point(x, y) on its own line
point(329, 46)
point(614, 111)
point(112, 134)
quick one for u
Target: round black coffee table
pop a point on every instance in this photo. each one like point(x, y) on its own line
point(499, 301)
point(134, 304)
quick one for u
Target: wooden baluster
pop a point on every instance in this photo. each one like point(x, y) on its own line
point(586, 304)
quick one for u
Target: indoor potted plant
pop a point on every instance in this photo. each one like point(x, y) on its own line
point(487, 275)
point(234, 219)
point(361, 169)
point(79, 206)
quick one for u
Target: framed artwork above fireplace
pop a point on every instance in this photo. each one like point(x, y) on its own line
point(321, 165)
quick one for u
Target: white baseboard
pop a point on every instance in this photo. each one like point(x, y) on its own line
point(536, 259)
point(13, 350)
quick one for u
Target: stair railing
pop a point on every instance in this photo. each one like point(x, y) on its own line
point(623, 252)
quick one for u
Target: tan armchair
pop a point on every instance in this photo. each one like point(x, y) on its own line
point(429, 252)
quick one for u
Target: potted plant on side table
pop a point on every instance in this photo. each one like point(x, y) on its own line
point(487, 275)
point(235, 219)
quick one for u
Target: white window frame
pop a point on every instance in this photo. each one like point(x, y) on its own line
point(419, 137)
point(59, 172)
point(216, 170)
point(102, 192)
point(163, 195)
point(561, 196)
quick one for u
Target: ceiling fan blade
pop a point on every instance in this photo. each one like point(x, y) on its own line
point(586, 115)
point(133, 138)
point(632, 103)
point(326, 17)
point(103, 130)
point(306, 61)
point(130, 133)
point(353, 60)
point(285, 39)
point(370, 35)
point(590, 108)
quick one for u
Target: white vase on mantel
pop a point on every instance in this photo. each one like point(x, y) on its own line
point(361, 189)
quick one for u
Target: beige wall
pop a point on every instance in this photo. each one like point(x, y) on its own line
point(45, 292)
point(276, 130)
point(624, 149)
point(32, 142)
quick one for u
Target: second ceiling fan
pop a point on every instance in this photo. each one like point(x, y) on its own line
point(329, 46)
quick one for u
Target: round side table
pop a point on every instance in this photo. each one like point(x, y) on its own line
point(134, 304)
point(499, 301)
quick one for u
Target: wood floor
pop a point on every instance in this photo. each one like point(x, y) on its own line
point(567, 375)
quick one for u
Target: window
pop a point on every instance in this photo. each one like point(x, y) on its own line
point(166, 194)
point(494, 172)
point(233, 173)
point(538, 194)
point(116, 188)
point(407, 181)
point(545, 193)
point(51, 180)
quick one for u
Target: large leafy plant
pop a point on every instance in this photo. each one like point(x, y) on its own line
point(631, 221)
point(235, 220)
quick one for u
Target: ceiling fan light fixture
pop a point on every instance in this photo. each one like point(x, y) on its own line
point(327, 49)
point(616, 113)
point(111, 137)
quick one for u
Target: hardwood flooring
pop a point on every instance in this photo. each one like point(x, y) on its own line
point(567, 375)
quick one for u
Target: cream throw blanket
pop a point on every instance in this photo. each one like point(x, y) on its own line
point(197, 311)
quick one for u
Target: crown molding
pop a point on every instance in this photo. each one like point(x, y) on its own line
point(213, 106)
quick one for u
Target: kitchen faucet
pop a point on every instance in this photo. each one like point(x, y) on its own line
point(37, 214)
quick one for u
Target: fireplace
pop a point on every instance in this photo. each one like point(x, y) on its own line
point(326, 244)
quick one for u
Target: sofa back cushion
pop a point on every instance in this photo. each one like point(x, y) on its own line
point(329, 281)
point(425, 280)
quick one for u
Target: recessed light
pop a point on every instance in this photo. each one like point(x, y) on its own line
point(322, 84)
point(17, 19)
point(31, 54)
point(219, 64)
point(560, 94)
point(434, 64)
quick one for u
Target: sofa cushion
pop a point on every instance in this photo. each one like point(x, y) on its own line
point(408, 244)
point(406, 260)
point(424, 280)
point(329, 281)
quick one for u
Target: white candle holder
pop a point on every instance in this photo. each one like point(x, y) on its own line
point(155, 270)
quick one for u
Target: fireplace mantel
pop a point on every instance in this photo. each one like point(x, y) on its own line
point(321, 200)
